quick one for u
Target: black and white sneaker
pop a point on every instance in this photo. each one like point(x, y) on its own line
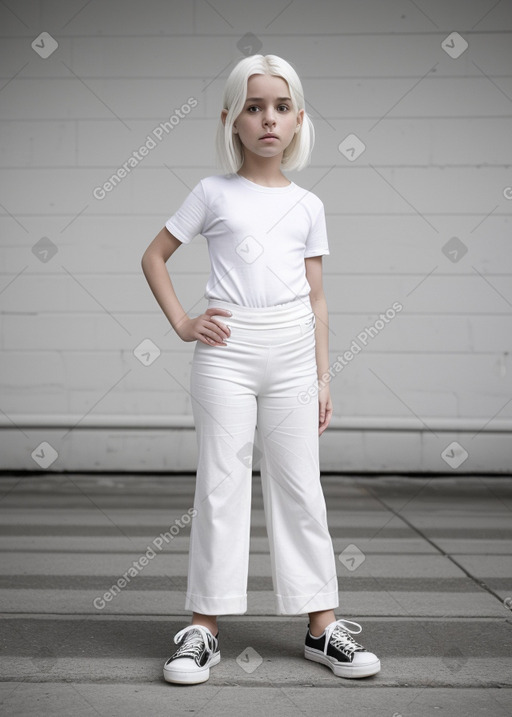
point(198, 650)
point(337, 649)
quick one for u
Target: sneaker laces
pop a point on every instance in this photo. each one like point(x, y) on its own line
point(341, 636)
point(193, 644)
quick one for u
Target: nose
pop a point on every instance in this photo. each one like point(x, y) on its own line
point(269, 117)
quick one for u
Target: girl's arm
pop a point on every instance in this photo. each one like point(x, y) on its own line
point(319, 306)
point(203, 328)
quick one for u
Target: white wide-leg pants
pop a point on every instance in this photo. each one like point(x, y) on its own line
point(259, 380)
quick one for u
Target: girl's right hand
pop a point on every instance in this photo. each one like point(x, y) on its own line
point(205, 329)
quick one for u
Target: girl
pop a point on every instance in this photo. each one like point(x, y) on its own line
point(257, 366)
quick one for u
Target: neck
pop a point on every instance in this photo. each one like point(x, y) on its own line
point(263, 170)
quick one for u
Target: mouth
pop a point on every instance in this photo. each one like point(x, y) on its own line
point(269, 136)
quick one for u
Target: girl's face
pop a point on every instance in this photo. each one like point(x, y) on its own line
point(267, 109)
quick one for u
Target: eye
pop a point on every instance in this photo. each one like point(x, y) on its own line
point(255, 107)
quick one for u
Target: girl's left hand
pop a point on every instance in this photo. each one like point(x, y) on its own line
point(324, 409)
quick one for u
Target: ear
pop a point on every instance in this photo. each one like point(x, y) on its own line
point(223, 116)
point(300, 117)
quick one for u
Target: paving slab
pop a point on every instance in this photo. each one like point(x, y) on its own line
point(112, 544)
point(137, 602)
point(135, 699)
point(161, 563)
point(431, 596)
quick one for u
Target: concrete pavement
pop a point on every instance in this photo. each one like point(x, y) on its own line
point(424, 564)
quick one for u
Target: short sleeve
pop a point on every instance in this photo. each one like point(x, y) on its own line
point(188, 221)
point(317, 242)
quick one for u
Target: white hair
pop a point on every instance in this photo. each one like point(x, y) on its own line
point(228, 145)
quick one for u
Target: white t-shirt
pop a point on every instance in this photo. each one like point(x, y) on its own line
point(258, 238)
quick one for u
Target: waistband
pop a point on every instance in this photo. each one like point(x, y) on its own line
point(276, 316)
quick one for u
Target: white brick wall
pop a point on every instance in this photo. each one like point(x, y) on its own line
point(437, 161)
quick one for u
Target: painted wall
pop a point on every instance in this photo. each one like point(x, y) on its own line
point(412, 105)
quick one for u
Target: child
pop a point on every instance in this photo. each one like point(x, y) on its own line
point(257, 365)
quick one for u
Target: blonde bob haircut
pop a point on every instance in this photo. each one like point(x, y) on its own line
point(229, 148)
